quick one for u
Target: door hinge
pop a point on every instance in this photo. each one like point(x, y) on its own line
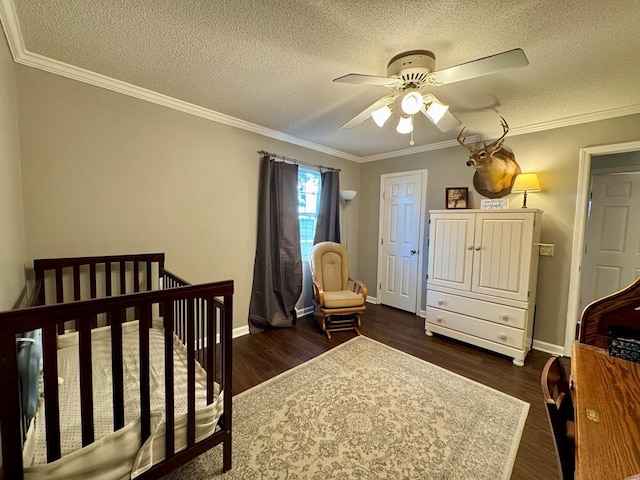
point(380, 287)
point(382, 241)
point(383, 195)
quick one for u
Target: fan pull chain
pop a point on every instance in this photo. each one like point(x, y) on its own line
point(411, 141)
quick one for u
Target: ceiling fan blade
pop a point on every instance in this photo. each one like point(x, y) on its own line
point(366, 80)
point(448, 122)
point(366, 113)
point(484, 66)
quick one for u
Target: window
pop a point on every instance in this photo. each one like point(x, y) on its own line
point(308, 203)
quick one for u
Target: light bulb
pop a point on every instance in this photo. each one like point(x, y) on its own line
point(435, 111)
point(412, 103)
point(405, 125)
point(381, 115)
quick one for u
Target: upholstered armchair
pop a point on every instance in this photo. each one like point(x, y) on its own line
point(340, 298)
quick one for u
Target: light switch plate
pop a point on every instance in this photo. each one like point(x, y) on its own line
point(546, 250)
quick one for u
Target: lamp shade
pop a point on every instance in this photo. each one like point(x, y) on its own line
point(405, 125)
point(526, 182)
point(412, 103)
point(435, 111)
point(348, 195)
point(381, 115)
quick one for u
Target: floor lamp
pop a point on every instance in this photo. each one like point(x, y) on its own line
point(347, 196)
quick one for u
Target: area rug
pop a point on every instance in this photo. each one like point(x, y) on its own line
point(364, 410)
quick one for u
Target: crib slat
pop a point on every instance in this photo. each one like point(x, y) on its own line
point(136, 277)
point(76, 282)
point(145, 398)
point(123, 278)
point(117, 369)
point(148, 272)
point(107, 279)
point(86, 381)
point(168, 379)
point(59, 294)
point(59, 288)
point(50, 374)
point(191, 373)
point(211, 349)
point(93, 291)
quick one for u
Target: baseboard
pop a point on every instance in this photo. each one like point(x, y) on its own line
point(372, 300)
point(240, 331)
point(422, 313)
point(548, 347)
point(303, 312)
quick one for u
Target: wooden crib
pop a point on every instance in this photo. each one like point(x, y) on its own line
point(133, 304)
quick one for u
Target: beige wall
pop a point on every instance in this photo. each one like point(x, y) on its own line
point(105, 173)
point(12, 250)
point(554, 154)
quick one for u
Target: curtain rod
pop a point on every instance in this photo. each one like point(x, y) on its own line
point(297, 162)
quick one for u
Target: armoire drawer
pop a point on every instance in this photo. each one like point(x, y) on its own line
point(491, 331)
point(493, 312)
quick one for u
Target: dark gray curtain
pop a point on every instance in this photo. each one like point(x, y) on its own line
point(277, 271)
point(328, 223)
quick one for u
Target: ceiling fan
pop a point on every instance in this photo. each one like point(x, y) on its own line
point(409, 74)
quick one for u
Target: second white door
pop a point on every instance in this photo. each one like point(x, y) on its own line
point(612, 253)
point(400, 240)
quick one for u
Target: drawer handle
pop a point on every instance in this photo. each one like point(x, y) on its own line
point(503, 337)
point(504, 317)
point(439, 319)
point(477, 247)
point(441, 302)
point(469, 247)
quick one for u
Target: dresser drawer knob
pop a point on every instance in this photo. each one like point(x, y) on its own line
point(441, 302)
point(439, 319)
point(478, 247)
point(469, 247)
point(503, 337)
point(504, 317)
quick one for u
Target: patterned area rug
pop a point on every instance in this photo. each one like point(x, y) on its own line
point(364, 410)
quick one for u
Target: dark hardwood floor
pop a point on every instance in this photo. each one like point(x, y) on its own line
point(261, 356)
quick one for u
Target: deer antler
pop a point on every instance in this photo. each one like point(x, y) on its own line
point(498, 143)
point(462, 137)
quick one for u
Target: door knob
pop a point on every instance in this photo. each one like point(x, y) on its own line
point(414, 251)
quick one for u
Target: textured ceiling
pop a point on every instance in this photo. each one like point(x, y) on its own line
point(271, 62)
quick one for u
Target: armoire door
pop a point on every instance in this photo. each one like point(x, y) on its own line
point(452, 237)
point(502, 250)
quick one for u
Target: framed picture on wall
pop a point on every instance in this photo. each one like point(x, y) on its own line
point(457, 197)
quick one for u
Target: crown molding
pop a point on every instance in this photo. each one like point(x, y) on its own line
point(22, 56)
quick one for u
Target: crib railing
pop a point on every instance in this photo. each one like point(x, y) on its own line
point(83, 278)
point(200, 315)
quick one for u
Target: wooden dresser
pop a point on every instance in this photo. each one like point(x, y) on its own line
point(482, 273)
point(606, 397)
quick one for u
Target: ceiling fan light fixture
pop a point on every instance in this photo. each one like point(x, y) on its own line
point(412, 102)
point(381, 115)
point(435, 111)
point(405, 125)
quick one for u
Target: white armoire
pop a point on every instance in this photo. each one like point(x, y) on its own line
point(482, 272)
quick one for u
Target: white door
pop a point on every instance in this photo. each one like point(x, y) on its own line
point(400, 240)
point(612, 252)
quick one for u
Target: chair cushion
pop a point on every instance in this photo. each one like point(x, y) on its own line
point(342, 299)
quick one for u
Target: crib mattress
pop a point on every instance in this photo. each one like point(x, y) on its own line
point(120, 451)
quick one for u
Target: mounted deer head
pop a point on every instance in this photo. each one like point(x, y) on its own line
point(496, 167)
